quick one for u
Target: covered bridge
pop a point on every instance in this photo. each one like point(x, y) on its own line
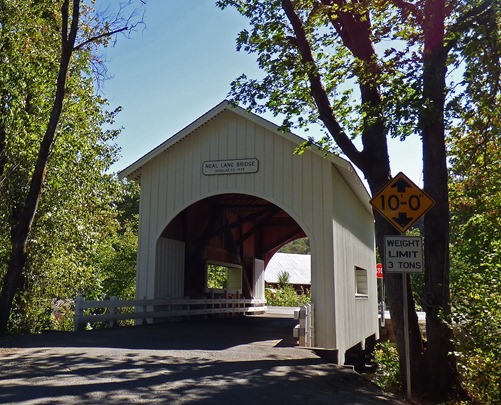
point(228, 190)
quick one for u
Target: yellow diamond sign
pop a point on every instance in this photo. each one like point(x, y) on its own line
point(401, 202)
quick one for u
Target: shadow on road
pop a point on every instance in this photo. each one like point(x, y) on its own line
point(201, 334)
point(241, 361)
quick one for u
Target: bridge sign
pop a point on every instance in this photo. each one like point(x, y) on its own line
point(401, 202)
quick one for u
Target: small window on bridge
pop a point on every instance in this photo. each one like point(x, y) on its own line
point(361, 286)
point(224, 277)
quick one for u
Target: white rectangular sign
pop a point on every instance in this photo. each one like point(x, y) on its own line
point(403, 254)
point(233, 166)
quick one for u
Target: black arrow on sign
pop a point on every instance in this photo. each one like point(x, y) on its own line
point(401, 185)
point(402, 219)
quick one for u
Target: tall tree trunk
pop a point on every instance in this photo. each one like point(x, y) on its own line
point(440, 365)
point(373, 160)
point(21, 233)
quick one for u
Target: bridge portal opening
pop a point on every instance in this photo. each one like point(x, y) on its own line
point(222, 237)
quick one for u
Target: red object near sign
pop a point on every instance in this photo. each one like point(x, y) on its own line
point(379, 270)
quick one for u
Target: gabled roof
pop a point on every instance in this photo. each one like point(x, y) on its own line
point(344, 167)
point(297, 266)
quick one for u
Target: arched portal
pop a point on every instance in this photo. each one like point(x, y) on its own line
point(232, 229)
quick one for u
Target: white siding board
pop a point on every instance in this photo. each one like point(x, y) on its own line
point(222, 151)
point(214, 155)
point(327, 271)
point(162, 186)
point(250, 152)
point(204, 157)
point(177, 159)
point(258, 136)
point(344, 276)
point(231, 132)
point(155, 196)
point(188, 169)
point(171, 187)
point(230, 135)
point(196, 170)
point(277, 168)
point(267, 163)
point(286, 173)
point(317, 190)
point(150, 185)
point(143, 241)
point(169, 269)
point(358, 252)
point(258, 279)
point(239, 139)
point(297, 185)
point(308, 197)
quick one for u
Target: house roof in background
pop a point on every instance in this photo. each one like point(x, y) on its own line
point(298, 266)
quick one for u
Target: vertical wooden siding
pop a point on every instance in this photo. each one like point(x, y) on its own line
point(354, 247)
point(169, 272)
point(258, 279)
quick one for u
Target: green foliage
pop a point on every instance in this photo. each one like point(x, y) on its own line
point(217, 276)
point(477, 323)
point(287, 296)
point(475, 191)
point(285, 87)
point(299, 246)
point(117, 265)
point(91, 255)
point(387, 374)
point(80, 241)
point(116, 262)
point(476, 311)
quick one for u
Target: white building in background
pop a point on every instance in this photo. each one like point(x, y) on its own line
point(297, 266)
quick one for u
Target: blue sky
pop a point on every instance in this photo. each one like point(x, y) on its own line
point(180, 66)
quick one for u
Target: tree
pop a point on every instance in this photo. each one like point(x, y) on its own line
point(373, 69)
point(283, 278)
point(475, 156)
point(113, 259)
point(299, 246)
point(48, 100)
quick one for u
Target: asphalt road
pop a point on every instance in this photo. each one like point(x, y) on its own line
point(251, 360)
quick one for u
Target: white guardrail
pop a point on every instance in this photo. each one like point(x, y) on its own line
point(304, 330)
point(149, 309)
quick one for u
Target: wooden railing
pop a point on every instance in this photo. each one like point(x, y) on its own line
point(149, 309)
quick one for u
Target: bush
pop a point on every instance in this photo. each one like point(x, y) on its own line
point(286, 296)
point(477, 324)
point(387, 374)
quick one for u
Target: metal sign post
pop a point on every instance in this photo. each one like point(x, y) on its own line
point(404, 254)
point(402, 203)
point(406, 338)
